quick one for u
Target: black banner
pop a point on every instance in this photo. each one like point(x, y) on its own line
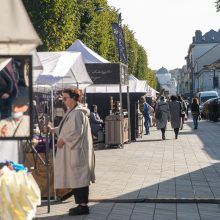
point(120, 43)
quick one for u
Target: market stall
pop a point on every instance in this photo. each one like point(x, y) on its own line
point(100, 94)
point(60, 70)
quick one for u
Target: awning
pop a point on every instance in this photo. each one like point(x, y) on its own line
point(62, 69)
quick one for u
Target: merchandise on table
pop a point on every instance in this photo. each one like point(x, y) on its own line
point(19, 193)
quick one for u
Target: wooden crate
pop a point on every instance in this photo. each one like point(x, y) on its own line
point(39, 172)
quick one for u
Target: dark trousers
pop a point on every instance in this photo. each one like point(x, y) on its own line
point(195, 121)
point(176, 131)
point(81, 195)
point(146, 124)
point(163, 131)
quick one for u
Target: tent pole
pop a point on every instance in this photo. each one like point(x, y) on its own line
point(121, 115)
point(129, 119)
point(77, 83)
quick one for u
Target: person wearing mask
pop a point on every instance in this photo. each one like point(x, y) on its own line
point(95, 121)
point(162, 108)
point(74, 161)
point(175, 117)
point(195, 112)
point(18, 124)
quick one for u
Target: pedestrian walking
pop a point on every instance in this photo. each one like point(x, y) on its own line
point(182, 111)
point(146, 109)
point(175, 114)
point(74, 162)
point(162, 113)
point(195, 112)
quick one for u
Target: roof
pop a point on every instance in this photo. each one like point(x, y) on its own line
point(17, 34)
point(89, 56)
point(63, 68)
point(162, 70)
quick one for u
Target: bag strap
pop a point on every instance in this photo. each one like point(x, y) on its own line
point(62, 122)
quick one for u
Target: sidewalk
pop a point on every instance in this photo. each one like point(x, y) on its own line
point(159, 171)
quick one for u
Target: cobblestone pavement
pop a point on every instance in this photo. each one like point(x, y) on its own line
point(150, 168)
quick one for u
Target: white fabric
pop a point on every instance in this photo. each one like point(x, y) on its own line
point(37, 65)
point(135, 85)
point(17, 35)
point(4, 62)
point(152, 92)
point(89, 55)
point(63, 68)
point(9, 150)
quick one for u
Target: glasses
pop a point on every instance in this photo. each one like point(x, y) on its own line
point(65, 98)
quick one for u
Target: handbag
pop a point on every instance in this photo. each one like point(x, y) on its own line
point(182, 114)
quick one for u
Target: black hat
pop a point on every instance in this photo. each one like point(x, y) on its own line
point(21, 101)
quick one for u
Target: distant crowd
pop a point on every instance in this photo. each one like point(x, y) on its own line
point(173, 109)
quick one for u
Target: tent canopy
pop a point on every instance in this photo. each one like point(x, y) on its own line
point(89, 55)
point(17, 35)
point(135, 85)
point(63, 68)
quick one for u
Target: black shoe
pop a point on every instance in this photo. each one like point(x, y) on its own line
point(79, 210)
point(147, 132)
point(163, 137)
point(176, 136)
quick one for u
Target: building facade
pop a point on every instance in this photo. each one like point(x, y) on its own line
point(167, 83)
point(203, 51)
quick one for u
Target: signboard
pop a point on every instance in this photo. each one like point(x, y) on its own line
point(108, 73)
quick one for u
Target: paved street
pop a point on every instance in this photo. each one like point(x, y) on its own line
point(157, 170)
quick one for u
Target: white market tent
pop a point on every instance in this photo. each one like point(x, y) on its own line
point(89, 56)
point(135, 85)
point(63, 68)
point(17, 35)
point(152, 92)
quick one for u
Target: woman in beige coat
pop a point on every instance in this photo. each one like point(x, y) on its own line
point(74, 163)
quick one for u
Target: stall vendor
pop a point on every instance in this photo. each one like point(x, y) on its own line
point(96, 122)
point(18, 125)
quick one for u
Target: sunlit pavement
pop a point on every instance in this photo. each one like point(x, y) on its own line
point(158, 171)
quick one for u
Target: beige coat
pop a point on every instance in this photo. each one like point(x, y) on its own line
point(74, 163)
point(164, 107)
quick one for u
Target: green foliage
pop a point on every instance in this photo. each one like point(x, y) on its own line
point(60, 22)
point(55, 21)
point(217, 5)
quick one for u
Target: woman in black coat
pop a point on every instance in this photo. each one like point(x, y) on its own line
point(195, 112)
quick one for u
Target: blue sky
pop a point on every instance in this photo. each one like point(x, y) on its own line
point(165, 27)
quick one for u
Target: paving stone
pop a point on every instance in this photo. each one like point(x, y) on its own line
point(150, 168)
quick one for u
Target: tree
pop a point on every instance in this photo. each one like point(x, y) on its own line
point(132, 50)
point(60, 22)
point(217, 5)
point(56, 22)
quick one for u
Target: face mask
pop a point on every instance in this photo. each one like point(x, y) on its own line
point(16, 115)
